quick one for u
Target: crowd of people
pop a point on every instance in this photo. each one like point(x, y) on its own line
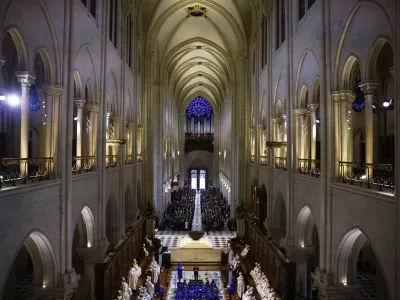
point(214, 209)
point(196, 290)
point(179, 213)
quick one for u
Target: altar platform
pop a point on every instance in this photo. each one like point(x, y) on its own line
point(199, 256)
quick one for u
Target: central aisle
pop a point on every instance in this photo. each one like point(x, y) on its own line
point(197, 225)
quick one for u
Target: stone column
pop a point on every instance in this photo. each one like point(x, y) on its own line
point(344, 127)
point(93, 110)
point(284, 135)
point(274, 136)
point(52, 95)
point(80, 104)
point(298, 133)
point(313, 107)
point(337, 132)
point(131, 128)
point(90, 257)
point(368, 89)
point(26, 81)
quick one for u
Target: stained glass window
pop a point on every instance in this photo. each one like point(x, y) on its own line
point(199, 107)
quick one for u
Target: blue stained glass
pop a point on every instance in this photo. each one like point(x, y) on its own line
point(199, 107)
point(34, 100)
point(359, 102)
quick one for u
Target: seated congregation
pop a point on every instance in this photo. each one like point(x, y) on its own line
point(179, 213)
point(214, 209)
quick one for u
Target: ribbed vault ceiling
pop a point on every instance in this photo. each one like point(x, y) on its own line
point(197, 55)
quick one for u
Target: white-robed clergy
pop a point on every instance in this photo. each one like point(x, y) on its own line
point(149, 287)
point(240, 285)
point(126, 290)
point(155, 270)
point(134, 274)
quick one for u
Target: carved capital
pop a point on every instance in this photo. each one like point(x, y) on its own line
point(80, 103)
point(301, 111)
point(25, 79)
point(93, 108)
point(313, 107)
point(369, 87)
point(284, 118)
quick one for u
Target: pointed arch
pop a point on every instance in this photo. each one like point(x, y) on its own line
point(345, 263)
point(316, 90)
point(358, 5)
point(77, 85)
point(304, 96)
point(307, 53)
point(93, 71)
point(112, 224)
point(47, 76)
point(43, 259)
point(279, 212)
point(89, 223)
point(352, 69)
point(305, 226)
point(374, 55)
point(22, 53)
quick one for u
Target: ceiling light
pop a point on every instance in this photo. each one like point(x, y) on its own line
point(386, 103)
point(76, 119)
point(318, 121)
point(3, 97)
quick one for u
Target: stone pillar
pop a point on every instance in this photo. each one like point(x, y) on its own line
point(90, 257)
point(344, 128)
point(80, 104)
point(313, 107)
point(51, 115)
point(93, 110)
point(26, 81)
point(298, 133)
point(337, 132)
point(131, 128)
point(368, 89)
point(284, 135)
point(274, 135)
point(306, 135)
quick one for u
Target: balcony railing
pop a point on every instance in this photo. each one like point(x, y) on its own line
point(264, 161)
point(111, 161)
point(252, 159)
point(139, 158)
point(82, 164)
point(310, 167)
point(128, 160)
point(280, 163)
point(20, 170)
point(380, 176)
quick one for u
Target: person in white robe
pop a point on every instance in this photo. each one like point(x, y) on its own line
point(155, 270)
point(134, 274)
point(240, 285)
point(149, 287)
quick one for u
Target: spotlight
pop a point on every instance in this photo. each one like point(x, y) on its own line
point(387, 103)
point(3, 97)
point(89, 245)
point(302, 245)
point(13, 100)
point(44, 286)
point(363, 176)
point(76, 119)
point(375, 105)
point(318, 121)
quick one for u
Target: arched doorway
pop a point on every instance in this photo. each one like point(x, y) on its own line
point(356, 263)
point(34, 266)
point(279, 220)
point(308, 240)
point(130, 208)
point(84, 237)
point(112, 222)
